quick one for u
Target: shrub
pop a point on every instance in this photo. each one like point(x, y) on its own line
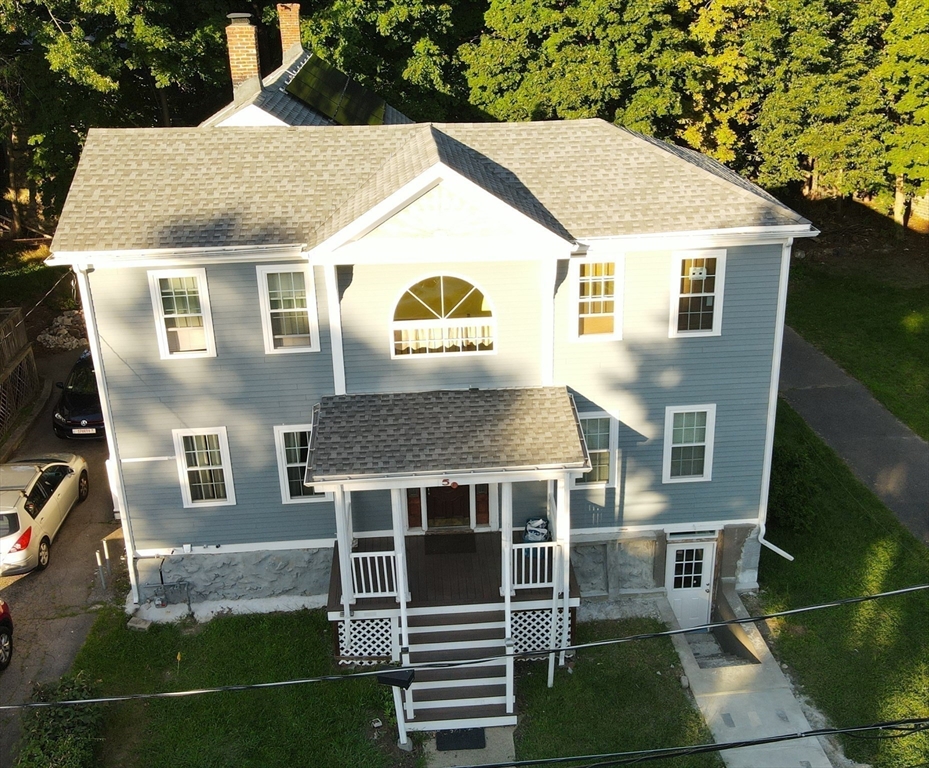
point(61, 737)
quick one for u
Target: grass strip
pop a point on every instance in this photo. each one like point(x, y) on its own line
point(618, 698)
point(878, 333)
point(863, 663)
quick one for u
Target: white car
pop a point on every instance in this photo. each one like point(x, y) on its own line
point(36, 496)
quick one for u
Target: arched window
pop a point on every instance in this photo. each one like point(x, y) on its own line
point(442, 314)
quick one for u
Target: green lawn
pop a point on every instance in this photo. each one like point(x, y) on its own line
point(619, 698)
point(317, 724)
point(859, 664)
point(879, 333)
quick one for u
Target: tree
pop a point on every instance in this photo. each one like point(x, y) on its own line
point(904, 73)
point(628, 61)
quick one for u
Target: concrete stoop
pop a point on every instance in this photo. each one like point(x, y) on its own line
point(744, 702)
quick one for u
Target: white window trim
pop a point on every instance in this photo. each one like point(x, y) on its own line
point(395, 325)
point(263, 270)
point(614, 449)
point(160, 329)
point(710, 410)
point(179, 435)
point(619, 282)
point(718, 294)
point(279, 432)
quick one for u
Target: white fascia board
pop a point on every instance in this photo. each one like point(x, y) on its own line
point(448, 249)
point(174, 257)
point(702, 239)
point(179, 550)
point(325, 252)
point(582, 535)
point(426, 479)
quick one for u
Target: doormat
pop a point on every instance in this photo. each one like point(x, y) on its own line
point(462, 738)
point(451, 544)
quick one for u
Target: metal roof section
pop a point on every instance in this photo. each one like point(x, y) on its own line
point(408, 434)
point(167, 188)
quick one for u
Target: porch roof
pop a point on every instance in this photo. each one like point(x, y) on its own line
point(445, 432)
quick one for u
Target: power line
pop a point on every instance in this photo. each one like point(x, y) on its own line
point(906, 727)
point(37, 304)
point(468, 662)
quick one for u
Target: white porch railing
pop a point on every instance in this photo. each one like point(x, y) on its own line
point(374, 574)
point(534, 565)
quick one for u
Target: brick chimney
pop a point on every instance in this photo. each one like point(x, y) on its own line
point(289, 16)
point(242, 38)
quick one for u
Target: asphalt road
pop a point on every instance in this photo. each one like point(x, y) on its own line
point(53, 609)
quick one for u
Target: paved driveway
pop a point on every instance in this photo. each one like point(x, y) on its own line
point(54, 609)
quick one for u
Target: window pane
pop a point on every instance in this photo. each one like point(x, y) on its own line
point(296, 451)
point(596, 298)
point(597, 436)
point(433, 317)
point(205, 474)
point(180, 301)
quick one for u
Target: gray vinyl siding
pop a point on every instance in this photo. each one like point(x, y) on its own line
point(369, 297)
point(638, 377)
point(242, 389)
point(371, 511)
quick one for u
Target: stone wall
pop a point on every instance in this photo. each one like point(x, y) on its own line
point(606, 567)
point(241, 575)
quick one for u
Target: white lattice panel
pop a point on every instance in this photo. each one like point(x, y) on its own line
point(371, 641)
point(532, 630)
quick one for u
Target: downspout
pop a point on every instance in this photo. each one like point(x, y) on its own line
point(772, 400)
point(93, 339)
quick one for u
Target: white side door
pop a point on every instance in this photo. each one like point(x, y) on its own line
point(689, 581)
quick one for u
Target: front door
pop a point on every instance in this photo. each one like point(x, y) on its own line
point(448, 506)
point(689, 581)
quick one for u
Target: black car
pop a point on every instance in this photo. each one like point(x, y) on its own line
point(78, 414)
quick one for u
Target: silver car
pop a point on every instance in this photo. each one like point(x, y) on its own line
point(36, 496)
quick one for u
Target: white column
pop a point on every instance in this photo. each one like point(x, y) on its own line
point(506, 539)
point(563, 526)
point(345, 549)
point(334, 314)
point(403, 592)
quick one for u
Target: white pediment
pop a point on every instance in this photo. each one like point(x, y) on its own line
point(452, 211)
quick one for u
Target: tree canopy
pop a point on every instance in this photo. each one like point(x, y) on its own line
point(831, 95)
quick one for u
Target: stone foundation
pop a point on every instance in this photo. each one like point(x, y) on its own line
point(240, 575)
point(605, 568)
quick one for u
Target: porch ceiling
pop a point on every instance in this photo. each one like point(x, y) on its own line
point(409, 434)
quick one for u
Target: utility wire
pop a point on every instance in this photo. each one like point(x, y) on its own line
point(908, 727)
point(468, 662)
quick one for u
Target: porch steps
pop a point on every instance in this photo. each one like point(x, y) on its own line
point(467, 696)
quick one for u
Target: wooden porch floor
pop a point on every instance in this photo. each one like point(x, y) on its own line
point(441, 576)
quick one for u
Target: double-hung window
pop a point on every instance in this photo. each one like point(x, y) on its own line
point(697, 293)
point(183, 323)
point(688, 443)
point(204, 467)
point(288, 308)
point(600, 437)
point(293, 446)
point(598, 299)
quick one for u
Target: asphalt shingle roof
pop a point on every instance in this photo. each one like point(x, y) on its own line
point(410, 433)
point(212, 188)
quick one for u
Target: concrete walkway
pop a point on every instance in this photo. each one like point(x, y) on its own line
point(881, 451)
point(754, 701)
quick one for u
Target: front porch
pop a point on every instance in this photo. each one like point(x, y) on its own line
point(458, 610)
point(444, 570)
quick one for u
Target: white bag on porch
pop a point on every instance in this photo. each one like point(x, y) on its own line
point(536, 530)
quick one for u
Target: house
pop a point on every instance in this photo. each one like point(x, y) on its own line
point(304, 90)
point(346, 365)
